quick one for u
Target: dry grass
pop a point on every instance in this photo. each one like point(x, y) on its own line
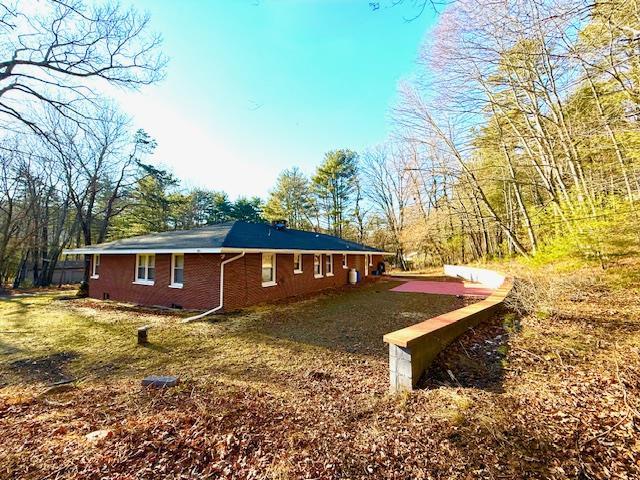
point(298, 390)
point(96, 339)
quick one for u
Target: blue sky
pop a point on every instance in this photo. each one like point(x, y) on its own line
point(254, 86)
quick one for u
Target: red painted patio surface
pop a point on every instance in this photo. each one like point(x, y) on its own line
point(444, 288)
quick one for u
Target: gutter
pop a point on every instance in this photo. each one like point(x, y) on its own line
point(220, 305)
point(130, 251)
point(304, 251)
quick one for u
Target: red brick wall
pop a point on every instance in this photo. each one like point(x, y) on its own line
point(243, 280)
point(200, 291)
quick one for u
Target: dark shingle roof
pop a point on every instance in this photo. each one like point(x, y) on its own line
point(231, 235)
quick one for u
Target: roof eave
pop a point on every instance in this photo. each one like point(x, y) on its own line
point(298, 250)
point(131, 251)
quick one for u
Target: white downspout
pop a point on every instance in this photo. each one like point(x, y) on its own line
point(209, 312)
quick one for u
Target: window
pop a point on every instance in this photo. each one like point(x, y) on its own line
point(95, 272)
point(345, 262)
point(329, 265)
point(297, 263)
point(177, 270)
point(145, 268)
point(268, 269)
point(317, 266)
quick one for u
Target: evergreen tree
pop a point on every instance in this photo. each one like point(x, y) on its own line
point(334, 184)
point(220, 209)
point(291, 200)
point(151, 204)
point(247, 209)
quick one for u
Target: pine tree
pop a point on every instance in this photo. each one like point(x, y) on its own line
point(334, 184)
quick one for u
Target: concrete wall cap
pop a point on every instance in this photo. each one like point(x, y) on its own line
point(419, 332)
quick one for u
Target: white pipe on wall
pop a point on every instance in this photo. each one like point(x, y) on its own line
point(209, 312)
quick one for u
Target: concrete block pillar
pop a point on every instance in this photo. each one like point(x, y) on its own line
point(401, 377)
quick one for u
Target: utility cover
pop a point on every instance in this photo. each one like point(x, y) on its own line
point(160, 381)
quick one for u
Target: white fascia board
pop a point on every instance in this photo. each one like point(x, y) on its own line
point(130, 251)
point(286, 250)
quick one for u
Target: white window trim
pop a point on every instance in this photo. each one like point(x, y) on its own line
point(96, 256)
point(328, 257)
point(317, 275)
point(370, 260)
point(345, 261)
point(142, 281)
point(271, 283)
point(173, 283)
point(296, 271)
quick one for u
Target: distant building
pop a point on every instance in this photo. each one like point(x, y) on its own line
point(65, 272)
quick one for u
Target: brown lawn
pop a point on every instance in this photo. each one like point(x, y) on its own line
point(299, 390)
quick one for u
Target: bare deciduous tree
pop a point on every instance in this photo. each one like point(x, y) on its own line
point(387, 175)
point(54, 52)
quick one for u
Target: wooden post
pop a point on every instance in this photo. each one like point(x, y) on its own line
point(142, 335)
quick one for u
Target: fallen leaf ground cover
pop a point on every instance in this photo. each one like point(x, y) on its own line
point(299, 390)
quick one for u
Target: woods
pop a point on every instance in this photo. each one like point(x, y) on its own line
point(525, 131)
point(67, 151)
point(519, 136)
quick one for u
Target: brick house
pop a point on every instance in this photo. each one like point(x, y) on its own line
point(224, 267)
